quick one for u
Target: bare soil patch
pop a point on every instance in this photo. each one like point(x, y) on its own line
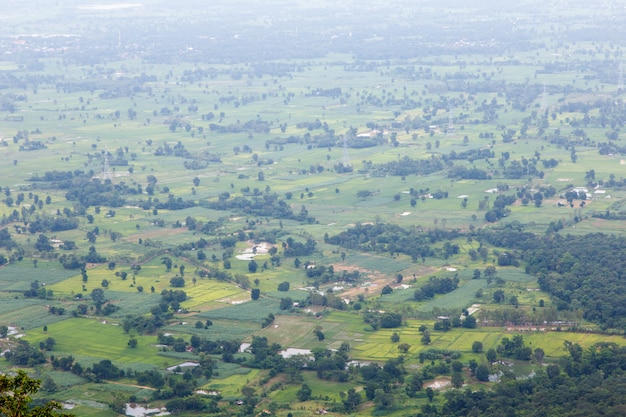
point(439, 383)
point(375, 280)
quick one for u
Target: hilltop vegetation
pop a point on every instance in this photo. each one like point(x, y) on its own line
point(348, 209)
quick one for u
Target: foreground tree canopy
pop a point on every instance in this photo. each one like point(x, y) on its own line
point(15, 398)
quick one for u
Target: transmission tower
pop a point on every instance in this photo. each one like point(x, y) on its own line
point(620, 81)
point(106, 168)
point(345, 160)
point(451, 130)
point(544, 101)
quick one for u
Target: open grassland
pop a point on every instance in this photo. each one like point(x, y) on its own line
point(27, 314)
point(221, 329)
point(230, 386)
point(253, 310)
point(18, 276)
point(100, 339)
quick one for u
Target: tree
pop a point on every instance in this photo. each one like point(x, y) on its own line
point(482, 373)
point(255, 293)
point(304, 393)
point(498, 296)
point(426, 338)
point(43, 244)
point(97, 296)
point(177, 282)
point(395, 337)
point(48, 385)
point(553, 371)
point(286, 303)
point(253, 266)
point(382, 399)
point(539, 354)
point(477, 347)
point(404, 347)
point(414, 385)
point(491, 355)
point(430, 393)
point(318, 332)
point(457, 380)
point(167, 262)
point(490, 272)
point(363, 194)
point(283, 286)
point(472, 366)
point(4, 331)
point(15, 399)
point(353, 399)
point(48, 344)
point(390, 320)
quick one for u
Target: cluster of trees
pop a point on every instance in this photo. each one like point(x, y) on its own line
point(292, 248)
point(386, 320)
point(262, 205)
point(587, 382)
point(381, 383)
point(328, 300)
point(251, 126)
point(319, 273)
point(514, 348)
point(408, 166)
point(5, 240)
point(180, 383)
point(37, 290)
point(46, 223)
point(581, 272)
point(436, 286)
point(23, 354)
point(394, 239)
point(499, 209)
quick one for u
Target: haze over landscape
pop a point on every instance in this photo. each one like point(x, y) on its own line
point(379, 208)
